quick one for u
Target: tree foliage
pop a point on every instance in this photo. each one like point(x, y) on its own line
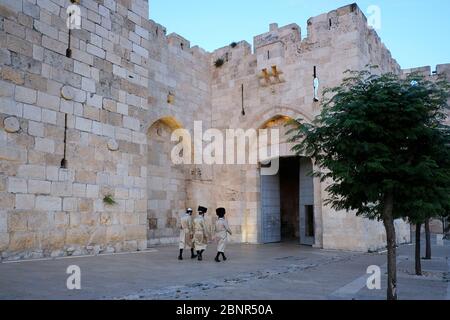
point(382, 134)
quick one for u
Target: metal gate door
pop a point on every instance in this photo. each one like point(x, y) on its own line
point(270, 206)
point(307, 228)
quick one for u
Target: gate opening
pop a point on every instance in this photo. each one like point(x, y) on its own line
point(287, 203)
point(289, 199)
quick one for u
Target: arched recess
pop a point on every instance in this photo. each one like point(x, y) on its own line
point(166, 185)
point(280, 111)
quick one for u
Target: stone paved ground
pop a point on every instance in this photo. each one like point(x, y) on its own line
point(278, 271)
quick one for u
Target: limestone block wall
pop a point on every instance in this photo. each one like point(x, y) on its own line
point(335, 42)
point(102, 89)
point(112, 104)
point(179, 94)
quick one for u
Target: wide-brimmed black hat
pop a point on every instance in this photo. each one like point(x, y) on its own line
point(202, 209)
point(220, 212)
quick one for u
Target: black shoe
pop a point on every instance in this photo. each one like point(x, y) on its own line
point(180, 258)
point(200, 258)
point(224, 258)
point(217, 259)
point(193, 256)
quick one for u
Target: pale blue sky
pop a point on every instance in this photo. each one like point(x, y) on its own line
point(416, 31)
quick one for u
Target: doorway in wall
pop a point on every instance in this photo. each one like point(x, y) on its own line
point(287, 203)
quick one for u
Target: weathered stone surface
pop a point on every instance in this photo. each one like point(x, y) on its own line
point(113, 145)
point(67, 93)
point(17, 185)
point(46, 203)
point(22, 241)
point(11, 124)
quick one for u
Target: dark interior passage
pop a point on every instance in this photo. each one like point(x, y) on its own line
point(289, 198)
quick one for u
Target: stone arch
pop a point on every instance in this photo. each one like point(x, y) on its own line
point(166, 185)
point(276, 117)
point(169, 120)
point(278, 112)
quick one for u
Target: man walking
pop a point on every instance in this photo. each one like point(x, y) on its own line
point(200, 233)
point(187, 234)
point(222, 230)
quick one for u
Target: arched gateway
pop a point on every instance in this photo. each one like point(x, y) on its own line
point(289, 206)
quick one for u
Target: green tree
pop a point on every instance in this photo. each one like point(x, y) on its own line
point(367, 143)
point(429, 196)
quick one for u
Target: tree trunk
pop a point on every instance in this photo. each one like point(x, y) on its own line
point(388, 221)
point(418, 258)
point(428, 239)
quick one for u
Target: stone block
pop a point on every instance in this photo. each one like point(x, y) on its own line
point(96, 51)
point(44, 145)
point(36, 82)
point(70, 204)
point(47, 203)
point(136, 232)
point(82, 69)
point(52, 173)
point(25, 95)
point(62, 189)
point(114, 234)
point(61, 219)
point(22, 241)
point(13, 75)
point(32, 113)
point(83, 124)
point(79, 190)
point(38, 221)
point(77, 236)
point(95, 100)
point(13, 28)
point(12, 154)
point(17, 185)
point(3, 222)
point(14, 5)
point(49, 116)
point(92, 191)
point(48, 101)
point(39, 187)
point(122, 108)
point(6, 88)
point(31, 171)
point(18, 45)
point(46, 29)
point(50, 6)
point(36, 128)
point(25, 201)
point(88, 84)
point(131, 123)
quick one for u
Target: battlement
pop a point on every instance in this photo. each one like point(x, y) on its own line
point(441, 70)
point(175, 39)
point(423, 71)
point(276, 34)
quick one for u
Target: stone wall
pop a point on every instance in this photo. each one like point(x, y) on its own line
point(103, 89)
point(335, 42)
point(124, 89)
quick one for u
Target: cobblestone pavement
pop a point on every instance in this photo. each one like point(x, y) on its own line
point(277, 271)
